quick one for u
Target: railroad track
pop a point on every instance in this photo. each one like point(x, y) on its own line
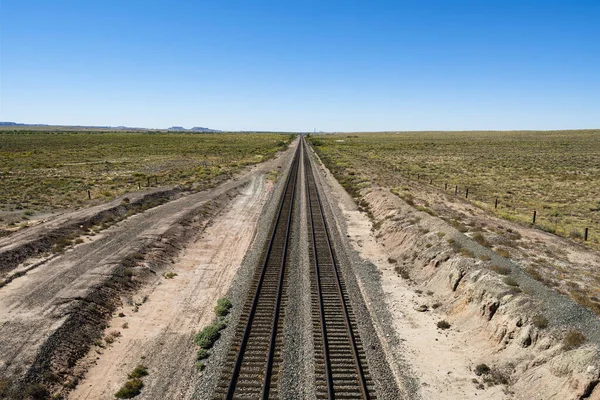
point(254, 360)
point(340, 361)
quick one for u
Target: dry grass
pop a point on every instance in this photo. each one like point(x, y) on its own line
point(553, 173)
point(43, 171)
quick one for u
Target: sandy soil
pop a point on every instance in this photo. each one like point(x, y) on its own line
point(176, 308)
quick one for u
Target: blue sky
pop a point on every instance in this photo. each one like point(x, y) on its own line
point(299, 65)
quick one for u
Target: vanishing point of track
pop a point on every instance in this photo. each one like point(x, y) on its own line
point(254, 360)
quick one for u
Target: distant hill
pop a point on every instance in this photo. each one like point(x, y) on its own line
point(119, 128)
point(201, 129)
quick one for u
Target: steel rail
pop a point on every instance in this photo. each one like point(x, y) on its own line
point(357, 362)
point(240, 355)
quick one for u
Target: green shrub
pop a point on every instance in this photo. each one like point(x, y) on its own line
point(209, 335)
point(223, 306)
point(202, 354)
point(138, 372)
point(130, 389)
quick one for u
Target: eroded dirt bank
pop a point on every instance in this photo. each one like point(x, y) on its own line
point(529, 341)
point(53, 314)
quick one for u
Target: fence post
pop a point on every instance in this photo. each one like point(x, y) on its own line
point(496, 204)
point(585, 236)
point(139, 185)
point(534, 215)
point(467, 193)
point(431, 181)
point(89, 195)
point(148, 181)
point(456, 190)
point(445, 186)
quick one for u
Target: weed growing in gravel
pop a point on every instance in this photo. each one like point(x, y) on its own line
point(479, 238)
point(223, 306)
point(169, 275)
point(510, 281)
point(539, 321)
point(501, 270)
point(502, 252)
point(573, 339)
point(139, 372)
point(209, 335)
point(200, 366)
point(130, 389)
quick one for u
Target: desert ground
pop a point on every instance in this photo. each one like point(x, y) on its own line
point(454, 299)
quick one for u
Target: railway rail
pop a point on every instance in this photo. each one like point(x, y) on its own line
point(254, 360)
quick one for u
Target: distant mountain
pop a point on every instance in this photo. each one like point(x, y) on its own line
point(201, 129)
point(124, 128)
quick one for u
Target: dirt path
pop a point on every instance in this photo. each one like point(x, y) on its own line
point(160, 334)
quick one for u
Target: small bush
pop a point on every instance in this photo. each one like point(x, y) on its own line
point(223, 306)
point(502, 252)
point(209, 335)
point(467, 253)
point(130, 389)
point(169, 275)
point(510, 281)
point(441, 234)
point(539, 321)
point(202, 354)
point(436, 305)
point(501, 270)
point(443, 324)
point(573, 339)
point(138, 372)
point(484, 257)
point(479, 238)
point(200, 366)
point(482, 369)
point(392, 260)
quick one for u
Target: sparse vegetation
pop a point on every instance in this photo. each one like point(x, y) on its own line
point(138, 372)
point(551, 172)
point(539, 321)
point(130, 389)
point(510, 281)
point(41, 171)
point(573, 339)
point(169, 275)
point(209, 335)
point(223, 306)
point(500, 269)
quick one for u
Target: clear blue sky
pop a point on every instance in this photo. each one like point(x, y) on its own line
point(298, 65)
